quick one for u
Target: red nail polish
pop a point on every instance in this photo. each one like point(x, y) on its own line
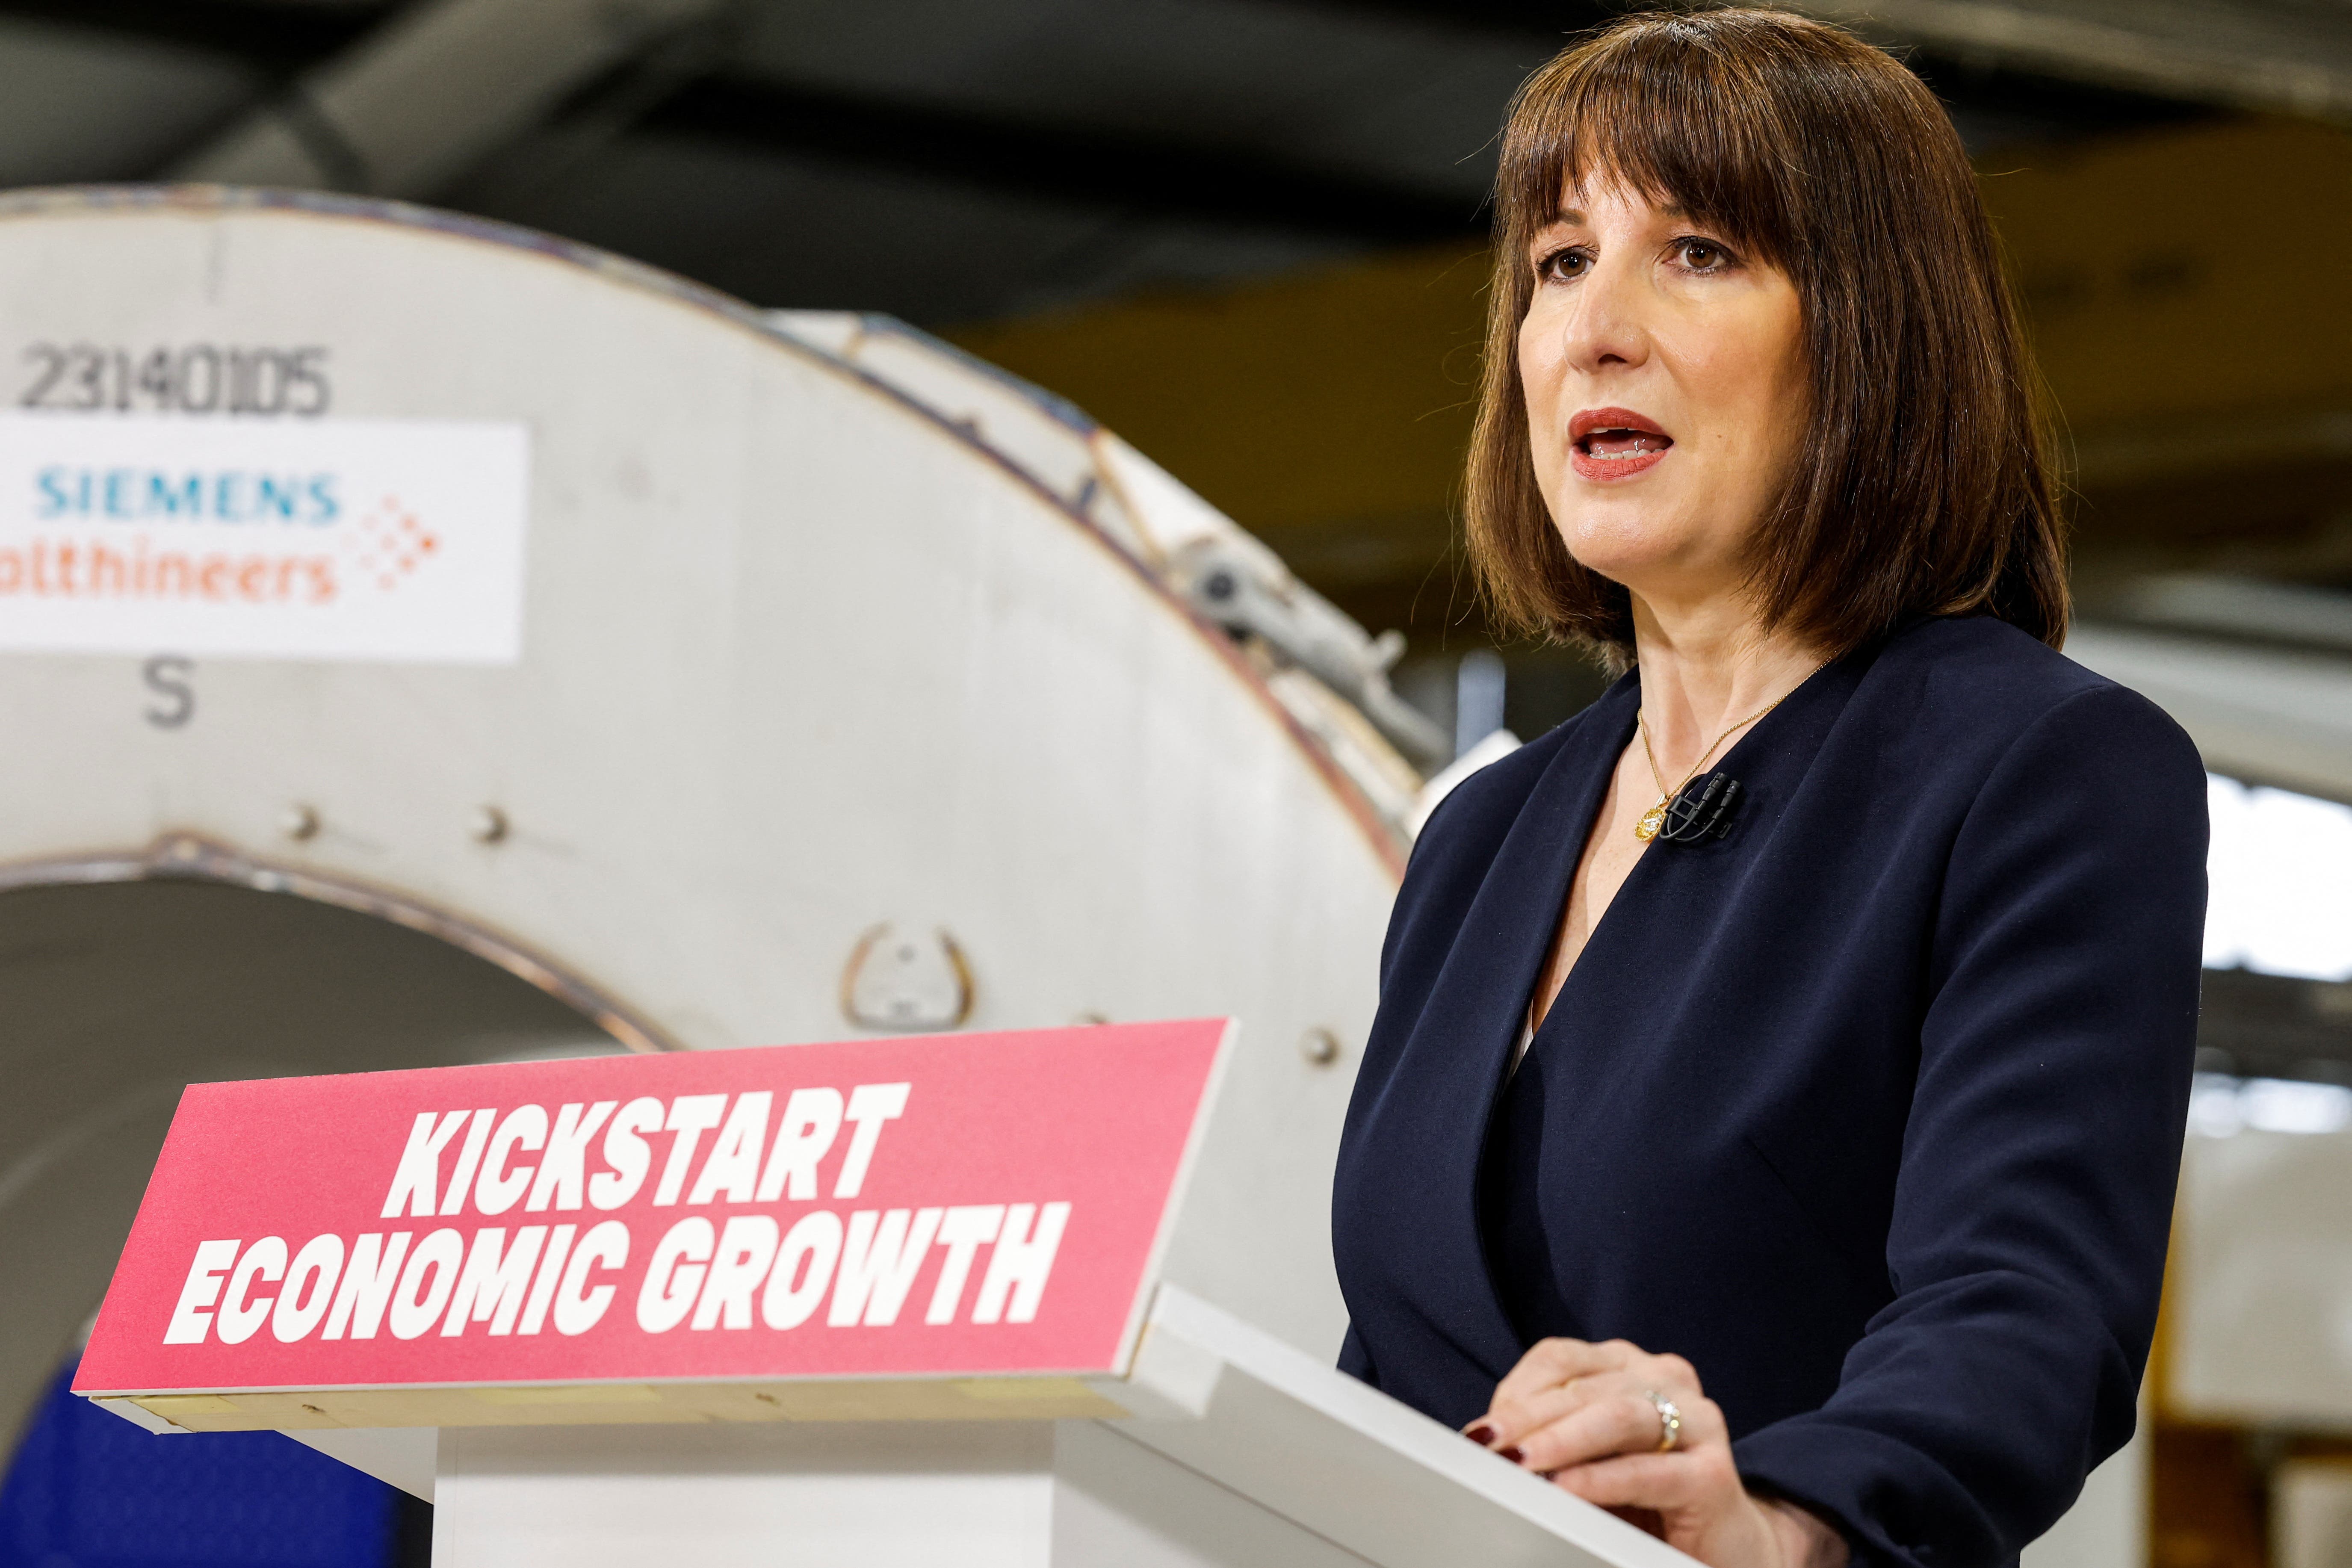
point(1481, 1433)
point(1512, 1454)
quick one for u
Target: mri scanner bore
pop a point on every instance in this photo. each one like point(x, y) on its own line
point(765, 681)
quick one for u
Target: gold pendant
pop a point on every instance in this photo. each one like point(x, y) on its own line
point(1652, 820)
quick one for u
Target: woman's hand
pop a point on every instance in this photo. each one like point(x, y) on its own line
point(1585, 1416)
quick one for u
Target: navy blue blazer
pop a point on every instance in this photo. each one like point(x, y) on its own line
point(1871, 1110)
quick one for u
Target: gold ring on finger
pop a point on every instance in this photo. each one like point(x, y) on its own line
point(1670, 1420)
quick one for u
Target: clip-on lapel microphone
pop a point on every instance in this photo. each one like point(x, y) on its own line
point(1702, 811)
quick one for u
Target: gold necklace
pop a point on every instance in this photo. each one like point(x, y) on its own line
point(1655, 817)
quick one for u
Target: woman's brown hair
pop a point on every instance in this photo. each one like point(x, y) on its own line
point(1925, 482)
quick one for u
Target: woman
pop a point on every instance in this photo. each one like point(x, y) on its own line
point(1825, 1214)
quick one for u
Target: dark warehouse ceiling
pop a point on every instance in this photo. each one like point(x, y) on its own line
point(942, 160)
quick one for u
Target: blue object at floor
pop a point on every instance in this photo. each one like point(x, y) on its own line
point(88, 1489)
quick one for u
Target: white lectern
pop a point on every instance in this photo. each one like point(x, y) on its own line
point(879, 1304)
point(1223, 1447)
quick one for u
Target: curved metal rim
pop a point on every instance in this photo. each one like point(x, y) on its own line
point(188, 856)
point(203, 199)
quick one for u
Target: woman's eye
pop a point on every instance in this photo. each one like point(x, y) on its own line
point(1563, 265)
point(1703, 255)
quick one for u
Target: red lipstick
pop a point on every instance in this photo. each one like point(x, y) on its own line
point(1607, 444)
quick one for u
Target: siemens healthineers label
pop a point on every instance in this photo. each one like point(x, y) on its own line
point(345, 539)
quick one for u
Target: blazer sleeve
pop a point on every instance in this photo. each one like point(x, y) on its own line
point(2034, 1198)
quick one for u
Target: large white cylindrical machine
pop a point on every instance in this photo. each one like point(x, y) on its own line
point(828, 682)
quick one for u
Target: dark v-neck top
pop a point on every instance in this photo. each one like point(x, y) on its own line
point(1871, 1110)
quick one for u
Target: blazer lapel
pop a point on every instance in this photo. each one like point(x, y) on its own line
point(1454, 1067)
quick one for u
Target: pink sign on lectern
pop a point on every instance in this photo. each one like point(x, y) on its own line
point(949, 1205)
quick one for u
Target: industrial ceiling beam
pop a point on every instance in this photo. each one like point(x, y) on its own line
point(343, 62)
point(1073, 164)
point(432, 91)
point(2245, 54)
point(260, 33)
